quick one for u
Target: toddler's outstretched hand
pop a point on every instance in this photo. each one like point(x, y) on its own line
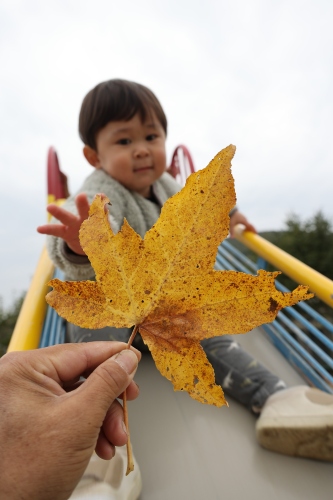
point(70, 225)
point(238, 218)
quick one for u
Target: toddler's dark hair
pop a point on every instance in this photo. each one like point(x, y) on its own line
point(115, 100)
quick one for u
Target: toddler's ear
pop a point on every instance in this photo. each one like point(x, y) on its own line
point(91, 156)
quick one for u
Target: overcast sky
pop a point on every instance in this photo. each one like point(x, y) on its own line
point(255, 73)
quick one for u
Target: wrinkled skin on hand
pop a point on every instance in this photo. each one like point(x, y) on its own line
point(50, 422)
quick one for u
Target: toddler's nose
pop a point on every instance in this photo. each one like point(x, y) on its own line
point(141, 151)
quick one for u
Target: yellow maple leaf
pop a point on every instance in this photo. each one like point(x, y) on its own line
point(166, 285)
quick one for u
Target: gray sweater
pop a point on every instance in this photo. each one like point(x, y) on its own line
point(140, 213)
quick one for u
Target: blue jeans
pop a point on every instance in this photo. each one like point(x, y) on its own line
point(240, 375)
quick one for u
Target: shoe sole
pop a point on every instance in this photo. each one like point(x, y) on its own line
point(306, 442)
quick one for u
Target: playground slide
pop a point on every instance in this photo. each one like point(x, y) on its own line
point(189, 451)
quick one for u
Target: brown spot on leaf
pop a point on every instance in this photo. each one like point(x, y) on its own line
point(274, 306)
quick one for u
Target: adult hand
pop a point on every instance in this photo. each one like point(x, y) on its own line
point(238, 218)
point(50, 422)
point(70, 225)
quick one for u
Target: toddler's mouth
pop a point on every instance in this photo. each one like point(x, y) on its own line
point(142, 169)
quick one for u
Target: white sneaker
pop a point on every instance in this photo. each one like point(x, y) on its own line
point(106, 480)
point(298, 422)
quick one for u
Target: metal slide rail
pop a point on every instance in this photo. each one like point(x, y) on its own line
point(181, 165)
point(30, 322)
point(54, 329)
point(301, 334)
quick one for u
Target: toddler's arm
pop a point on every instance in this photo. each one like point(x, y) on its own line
point(70, 225)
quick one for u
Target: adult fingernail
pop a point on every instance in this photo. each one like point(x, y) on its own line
point(127, 360)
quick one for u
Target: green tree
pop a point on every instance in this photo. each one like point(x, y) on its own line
point(310, 241)
point(7, 322)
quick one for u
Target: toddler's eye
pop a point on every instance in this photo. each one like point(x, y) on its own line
point(151, 137)
point(124, 141)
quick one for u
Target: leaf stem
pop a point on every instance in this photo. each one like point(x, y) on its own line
point(130, 460)
point(134, 332)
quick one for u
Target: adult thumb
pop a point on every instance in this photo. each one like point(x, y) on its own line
point(109, 380)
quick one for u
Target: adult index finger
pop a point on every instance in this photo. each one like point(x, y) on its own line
point(65, 362)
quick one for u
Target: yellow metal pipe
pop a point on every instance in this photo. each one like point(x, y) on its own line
point(29, 324)
point(292, 267)
point(28, 328)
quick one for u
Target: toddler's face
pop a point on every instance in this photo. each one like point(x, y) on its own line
point(132, 152)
